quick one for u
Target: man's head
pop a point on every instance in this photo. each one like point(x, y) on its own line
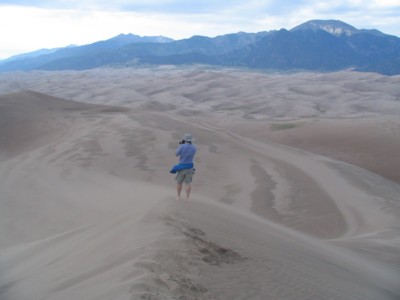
point(188, 138)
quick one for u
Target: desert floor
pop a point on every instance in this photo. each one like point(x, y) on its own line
point(296, 193)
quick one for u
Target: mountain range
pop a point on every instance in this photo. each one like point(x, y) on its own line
point(317, 45)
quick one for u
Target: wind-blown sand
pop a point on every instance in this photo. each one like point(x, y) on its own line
point(296, 193)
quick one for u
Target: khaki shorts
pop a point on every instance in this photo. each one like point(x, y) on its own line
point(184, 176)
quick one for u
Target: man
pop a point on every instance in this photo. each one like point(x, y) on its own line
point(186, 152)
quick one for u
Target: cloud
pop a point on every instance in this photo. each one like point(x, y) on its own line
point(196, 6)
point(165, 6)
point(385, 3)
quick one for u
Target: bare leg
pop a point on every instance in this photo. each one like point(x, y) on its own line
point(178, 191)
point(188, 189)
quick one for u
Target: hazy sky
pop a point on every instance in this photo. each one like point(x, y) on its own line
point(28, 25)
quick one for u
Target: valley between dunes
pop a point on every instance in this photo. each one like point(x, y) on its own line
point(296, 193)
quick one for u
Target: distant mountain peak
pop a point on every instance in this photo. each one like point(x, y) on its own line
point(334, 27)
point(133, 38)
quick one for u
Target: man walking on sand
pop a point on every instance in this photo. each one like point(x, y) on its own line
point(186, 152)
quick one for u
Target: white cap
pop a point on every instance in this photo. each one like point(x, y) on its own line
point(188, 137)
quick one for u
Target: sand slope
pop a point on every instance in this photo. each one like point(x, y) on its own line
point(88, 208)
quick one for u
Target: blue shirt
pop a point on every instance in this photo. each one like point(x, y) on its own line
point(186, 153)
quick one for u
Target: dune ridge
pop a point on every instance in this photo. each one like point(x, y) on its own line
point(88, 208)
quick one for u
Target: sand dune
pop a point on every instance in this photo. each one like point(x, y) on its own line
point(88, 208)
point(370, 143)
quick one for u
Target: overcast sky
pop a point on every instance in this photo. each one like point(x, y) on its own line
point(27, 25)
